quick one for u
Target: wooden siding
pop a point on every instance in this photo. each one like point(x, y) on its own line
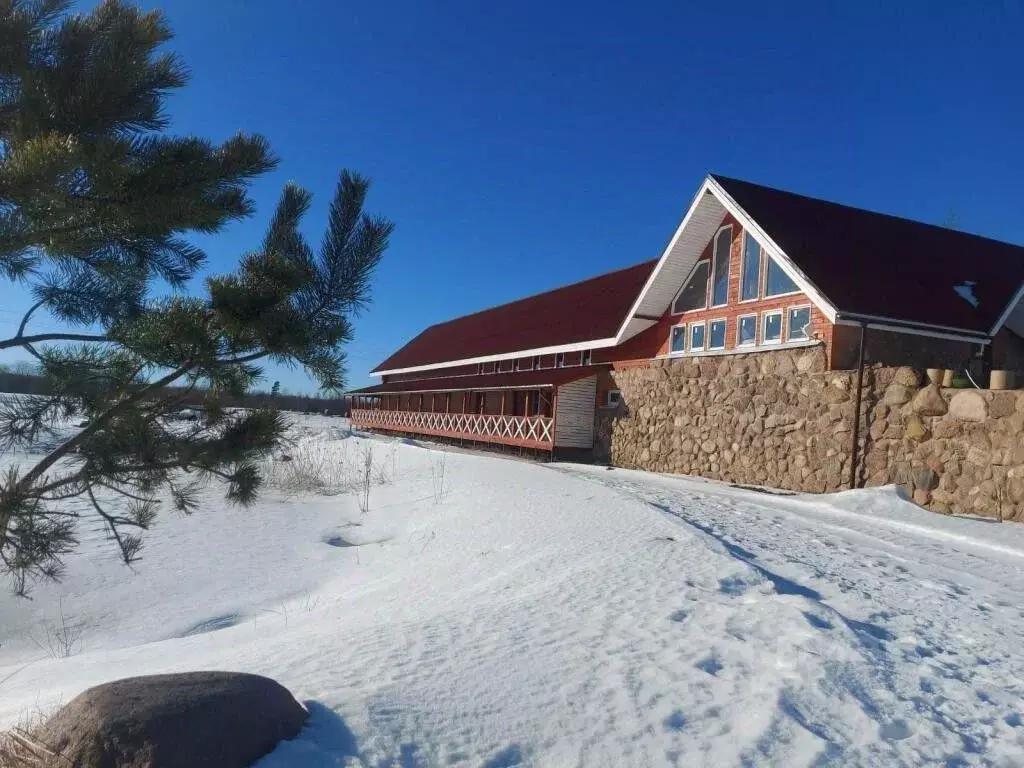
point(574, 414)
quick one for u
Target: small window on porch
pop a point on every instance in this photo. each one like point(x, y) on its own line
point(560, 360)
point(614, 398)
point(487, 367)
point(694, 293)
point(535, 362)
point(586, 357)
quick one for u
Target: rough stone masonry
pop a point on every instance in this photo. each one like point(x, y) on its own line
point(778, 418)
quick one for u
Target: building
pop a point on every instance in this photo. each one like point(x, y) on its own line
point(749, 269)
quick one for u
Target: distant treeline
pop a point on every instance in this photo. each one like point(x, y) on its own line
point(31, 384)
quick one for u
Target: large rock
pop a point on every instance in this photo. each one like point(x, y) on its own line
point(190, 720)
point(929, 402)
point(968, 406)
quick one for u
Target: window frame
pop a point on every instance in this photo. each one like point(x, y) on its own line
point(709, 304)
point(535, 363)
point(686, 283)
point(810, 319)
point(689, 337)
point(764, 281)
point(586, 357)
point(761, 275)
point(560, 360)
point(725, 334)
point(739, 324)
point(686, 339)
point(494, 367)
point(608, 398)
point(764, 324)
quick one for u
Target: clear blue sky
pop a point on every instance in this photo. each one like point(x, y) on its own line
point(519, 146)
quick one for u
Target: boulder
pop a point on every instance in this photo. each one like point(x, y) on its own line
point(190, 720)
point(929, 402)
point(897, 394)
point(925, 479)
point(968, 406)
point(915, 429)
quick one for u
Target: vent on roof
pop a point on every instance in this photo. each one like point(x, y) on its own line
point(966, 292)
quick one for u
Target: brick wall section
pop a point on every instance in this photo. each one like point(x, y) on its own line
point(781, 419)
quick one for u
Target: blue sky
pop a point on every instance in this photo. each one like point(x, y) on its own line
point(519, 146)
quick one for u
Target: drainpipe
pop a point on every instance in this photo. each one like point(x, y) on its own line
point(856, 408)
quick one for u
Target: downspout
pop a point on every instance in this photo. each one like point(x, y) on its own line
point(856, 408)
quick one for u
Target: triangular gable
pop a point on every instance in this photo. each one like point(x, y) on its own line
point(702, 220)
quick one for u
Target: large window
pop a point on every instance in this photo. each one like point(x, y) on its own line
point(716, 334)
point(696, 337)
point(776, 281)
point(746, 331)
point(694, 294)
point(798, 322)
point(750, 277)
point(720, 282)
point(771, 332)
point(679, 338)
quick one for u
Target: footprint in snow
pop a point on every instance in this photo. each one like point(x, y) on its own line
point(711, 665)
point(676, 721)
point(897, 730)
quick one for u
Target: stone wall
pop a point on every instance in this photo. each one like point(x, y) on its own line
point(780, 419)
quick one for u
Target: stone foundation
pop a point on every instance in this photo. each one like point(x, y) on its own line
point(780, 419)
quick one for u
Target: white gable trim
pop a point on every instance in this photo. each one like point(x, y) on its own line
point(1014, 303)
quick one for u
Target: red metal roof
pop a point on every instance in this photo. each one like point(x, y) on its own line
point(870, 263)
point(549, 377)
point(586, 311)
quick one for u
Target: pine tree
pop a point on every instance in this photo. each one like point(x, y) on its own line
point(276, 389)
point(96, 200)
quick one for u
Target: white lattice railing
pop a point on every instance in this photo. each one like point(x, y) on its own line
point(513, 430)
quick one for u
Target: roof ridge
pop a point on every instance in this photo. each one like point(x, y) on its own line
point(917, 222)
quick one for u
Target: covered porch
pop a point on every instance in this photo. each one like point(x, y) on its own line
point(515, 409)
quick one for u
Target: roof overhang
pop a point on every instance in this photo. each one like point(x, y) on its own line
point(1013, 315)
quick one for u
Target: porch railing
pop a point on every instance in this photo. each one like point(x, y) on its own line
point(524, 431)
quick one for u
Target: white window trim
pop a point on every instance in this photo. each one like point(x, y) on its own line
point(810, 319)
point(725, 335)
point(714, 262)
point(765, 341)
point(686, 282)
point(689, 336)
point(760, 268)
point(608, 398)
point(739, 322)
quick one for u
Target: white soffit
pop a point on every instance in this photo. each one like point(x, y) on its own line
point(690, 239)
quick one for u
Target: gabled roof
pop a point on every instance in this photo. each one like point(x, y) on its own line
point(548, 377)
point(581, 313)
point(873, 264)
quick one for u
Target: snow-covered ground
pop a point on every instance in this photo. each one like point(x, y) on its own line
point(492, 612)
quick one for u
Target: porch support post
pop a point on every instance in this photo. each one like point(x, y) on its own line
point(554, 416)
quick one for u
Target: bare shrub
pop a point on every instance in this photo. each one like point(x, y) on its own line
point(24, 745)
point(315, 466)
point(61, 638)
point(439, 475)
point(366, 480)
